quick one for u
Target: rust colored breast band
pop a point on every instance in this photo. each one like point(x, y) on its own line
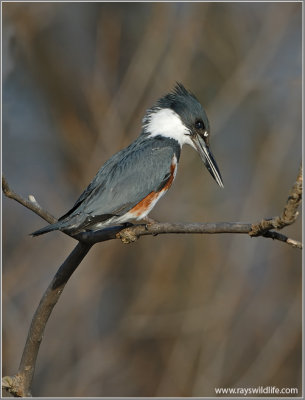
point(151, 199)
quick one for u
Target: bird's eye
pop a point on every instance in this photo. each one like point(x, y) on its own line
point(199, 125)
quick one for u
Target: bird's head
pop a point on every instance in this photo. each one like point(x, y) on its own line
point(180, 116)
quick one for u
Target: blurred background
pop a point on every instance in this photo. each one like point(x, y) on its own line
point(173, 315)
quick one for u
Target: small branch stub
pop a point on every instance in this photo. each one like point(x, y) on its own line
point(14, 385)
point(127, 236)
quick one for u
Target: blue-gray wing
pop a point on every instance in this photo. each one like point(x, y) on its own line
point(126, 178)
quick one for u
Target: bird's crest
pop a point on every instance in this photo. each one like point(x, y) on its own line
point(179, 94)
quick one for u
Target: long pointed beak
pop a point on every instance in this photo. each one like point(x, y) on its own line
point(208, 158)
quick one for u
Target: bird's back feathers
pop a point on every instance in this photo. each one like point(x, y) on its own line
point(120, 184)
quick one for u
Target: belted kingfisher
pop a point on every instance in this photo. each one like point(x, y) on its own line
point(130, 183)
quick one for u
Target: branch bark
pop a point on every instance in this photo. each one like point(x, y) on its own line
point(20, 384)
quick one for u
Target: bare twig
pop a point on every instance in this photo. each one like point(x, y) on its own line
point(20, 384)
point(289, 214)
point(279, 236)
point(31, 204)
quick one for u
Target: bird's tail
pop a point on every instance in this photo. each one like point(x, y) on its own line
point(46, 229)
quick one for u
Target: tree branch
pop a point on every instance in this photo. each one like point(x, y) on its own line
point(43, 312)
point(23, 380)
point(134, 232)
point(20, 384)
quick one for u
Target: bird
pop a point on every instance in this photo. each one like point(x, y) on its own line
point(132, 181)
